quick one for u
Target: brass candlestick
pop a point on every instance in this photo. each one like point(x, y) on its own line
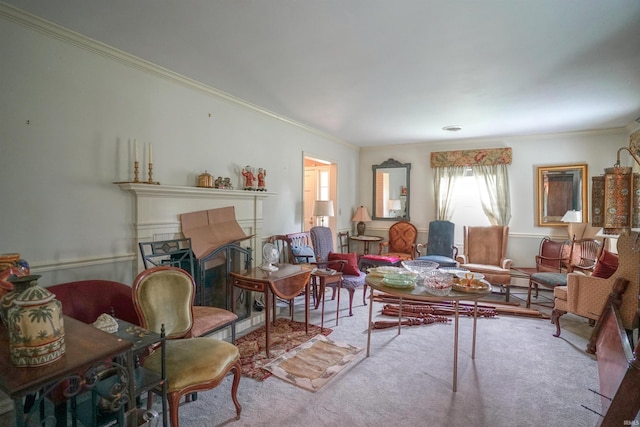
point(150, 181)
point(135, 171)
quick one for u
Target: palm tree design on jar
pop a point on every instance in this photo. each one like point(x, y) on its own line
point(36, 328)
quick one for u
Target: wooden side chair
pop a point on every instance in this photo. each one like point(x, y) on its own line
point(344, 242)
point(549, 270)
point(402, 241)
point(163, 298)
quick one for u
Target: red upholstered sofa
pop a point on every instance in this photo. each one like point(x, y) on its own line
point(85, 300)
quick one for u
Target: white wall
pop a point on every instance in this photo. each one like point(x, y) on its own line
point(70, 108)
point(69, 111)
point(597, 149)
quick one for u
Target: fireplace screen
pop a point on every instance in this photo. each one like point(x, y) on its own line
point(214, 282)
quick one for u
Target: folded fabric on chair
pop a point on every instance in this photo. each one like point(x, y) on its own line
point(390, 259)
point(303, 254)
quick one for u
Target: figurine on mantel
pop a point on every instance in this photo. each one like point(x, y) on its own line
point(226, 184)
point(262, 184)
point(249, 178)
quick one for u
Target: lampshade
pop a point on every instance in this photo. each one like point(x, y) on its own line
point(361, 215)
point(395, 205)
point(323, 208)
point(572, 216)
point(615, 200)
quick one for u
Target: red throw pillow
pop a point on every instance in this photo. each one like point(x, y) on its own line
point(350, 268)
point(607, 265)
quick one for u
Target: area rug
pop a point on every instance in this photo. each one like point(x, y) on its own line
point(313, 363)
point(283, 336)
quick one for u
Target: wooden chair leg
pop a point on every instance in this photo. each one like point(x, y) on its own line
point(364, 294)
point(351, 292)
point(555, 319)
point(237, 373)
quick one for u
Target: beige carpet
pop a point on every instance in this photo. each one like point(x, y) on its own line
point(313, 363)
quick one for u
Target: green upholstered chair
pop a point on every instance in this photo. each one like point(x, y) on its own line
point(163, 297)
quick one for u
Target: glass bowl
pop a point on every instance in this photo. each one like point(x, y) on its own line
point(438, 283)
point(419, 266)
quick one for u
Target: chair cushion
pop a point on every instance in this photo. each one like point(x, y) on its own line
point(191, 361)
point(306, 250)
point(560, 292)
point(442, 261)
point(350, 268)
point(607, 265)
point(207, 319)
point(550, 279)
point(352, 282)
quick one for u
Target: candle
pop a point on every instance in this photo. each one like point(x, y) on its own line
point(135, 149)
point(150, 154)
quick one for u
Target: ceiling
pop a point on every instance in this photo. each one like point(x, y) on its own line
point(378, 72)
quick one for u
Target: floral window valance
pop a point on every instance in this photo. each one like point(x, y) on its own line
point(486, 156)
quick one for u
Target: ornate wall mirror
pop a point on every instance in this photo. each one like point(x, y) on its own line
point(562, 189)
point(391, 190)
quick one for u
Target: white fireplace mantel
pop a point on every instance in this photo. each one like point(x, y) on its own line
point(157, 210)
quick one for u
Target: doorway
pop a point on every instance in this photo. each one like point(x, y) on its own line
point(320, 183)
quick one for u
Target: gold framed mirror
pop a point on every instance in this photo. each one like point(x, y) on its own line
point(391, 190)
point(562, 190)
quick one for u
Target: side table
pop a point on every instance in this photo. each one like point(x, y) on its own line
point(285, 283)
point(86, 348)
point(366, 240)
point(321, 278)
point(143, 380)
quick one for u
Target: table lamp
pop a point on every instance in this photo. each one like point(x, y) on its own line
point(323, 208)
point(395, 206)
point(362, 216)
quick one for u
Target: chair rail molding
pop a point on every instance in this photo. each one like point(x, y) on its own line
point(157, 210)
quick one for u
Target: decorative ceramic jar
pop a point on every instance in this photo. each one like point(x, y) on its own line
point(36, 326)
point(19, 284)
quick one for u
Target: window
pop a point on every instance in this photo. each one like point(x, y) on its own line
point(466, 206)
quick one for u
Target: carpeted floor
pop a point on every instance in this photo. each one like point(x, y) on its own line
point(521, 376)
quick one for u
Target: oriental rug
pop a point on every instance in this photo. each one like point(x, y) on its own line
point(313, 363)
point(284, 336)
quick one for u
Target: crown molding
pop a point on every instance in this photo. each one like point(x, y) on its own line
point(58, 32)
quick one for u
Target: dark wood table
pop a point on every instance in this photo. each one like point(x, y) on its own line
point(85, 347)
point(322, 278)
point(286, 283)
point(366, 240)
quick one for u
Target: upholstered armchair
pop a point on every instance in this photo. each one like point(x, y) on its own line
point(440, 247)
point(485, 252)
point(402, 241)
point(163, 299)
point(586, 296)
point(352, 277)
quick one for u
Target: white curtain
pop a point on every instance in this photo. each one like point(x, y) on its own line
point(493, 185)
point(444, 182)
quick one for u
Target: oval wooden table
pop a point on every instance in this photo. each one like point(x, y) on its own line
point(285, 283)
point(419, 293)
